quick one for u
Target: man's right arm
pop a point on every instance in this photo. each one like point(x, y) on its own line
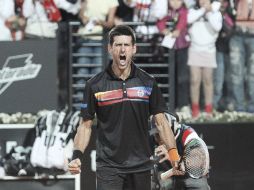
point(81, 141)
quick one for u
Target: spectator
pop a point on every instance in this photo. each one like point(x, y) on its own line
point(12, 22)
point(147, 11)
point(124, 12)
point(6, 11)
point(222, 72)
point(206, 22)
point(242, 56)
point(38, 23)
point(43, 16)
point(177, 14)
point(95, 15)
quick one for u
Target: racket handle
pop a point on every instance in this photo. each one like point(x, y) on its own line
point(167, 174)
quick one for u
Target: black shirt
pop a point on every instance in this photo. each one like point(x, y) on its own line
point(122, 108)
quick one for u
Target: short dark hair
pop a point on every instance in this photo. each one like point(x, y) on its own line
point(120, 30)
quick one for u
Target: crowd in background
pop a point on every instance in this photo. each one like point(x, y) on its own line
point(214, 40)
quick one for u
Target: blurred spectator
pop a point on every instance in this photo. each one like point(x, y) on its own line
point(206, 22)
point(222, 73)
point(43, 16)
point(148, 11)
point(6, 11)
point(38, 22)
point(177, 14)
point(12, 22)
point(242, 56)
point(95, 15)
point(124, 12)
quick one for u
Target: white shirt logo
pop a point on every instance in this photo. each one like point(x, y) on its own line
point(141, 93)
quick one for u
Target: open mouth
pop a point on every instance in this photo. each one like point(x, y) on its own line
point(122, 57)
point(122, 60)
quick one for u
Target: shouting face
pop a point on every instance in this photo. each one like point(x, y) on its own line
point(122, 51)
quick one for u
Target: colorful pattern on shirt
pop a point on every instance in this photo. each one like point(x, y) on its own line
point(139, 93)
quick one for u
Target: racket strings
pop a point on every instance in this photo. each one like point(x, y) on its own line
point(195, 160)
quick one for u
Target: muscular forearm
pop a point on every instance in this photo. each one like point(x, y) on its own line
point(167, 138)
point(81, 141)
point(83, 135)
point(165, 132)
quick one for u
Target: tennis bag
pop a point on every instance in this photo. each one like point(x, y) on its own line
point(53, 146)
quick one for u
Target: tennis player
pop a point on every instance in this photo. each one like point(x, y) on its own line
point(123, 97)
point(183, 135)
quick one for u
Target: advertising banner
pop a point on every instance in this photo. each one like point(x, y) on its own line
point(28, 76)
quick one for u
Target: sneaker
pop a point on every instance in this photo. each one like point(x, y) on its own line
point(195, 110)
point(209, 108)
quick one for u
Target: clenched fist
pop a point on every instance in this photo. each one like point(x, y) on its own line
point(74, 166)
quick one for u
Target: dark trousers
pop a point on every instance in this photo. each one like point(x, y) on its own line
point(190, 183)
point(110, 179)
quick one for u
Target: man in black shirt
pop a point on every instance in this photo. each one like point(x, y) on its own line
point(122, 97)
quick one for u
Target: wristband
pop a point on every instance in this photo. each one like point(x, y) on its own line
point(173, 155)
point(77, 154)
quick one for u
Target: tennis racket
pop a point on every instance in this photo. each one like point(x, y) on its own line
point(195, 160)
